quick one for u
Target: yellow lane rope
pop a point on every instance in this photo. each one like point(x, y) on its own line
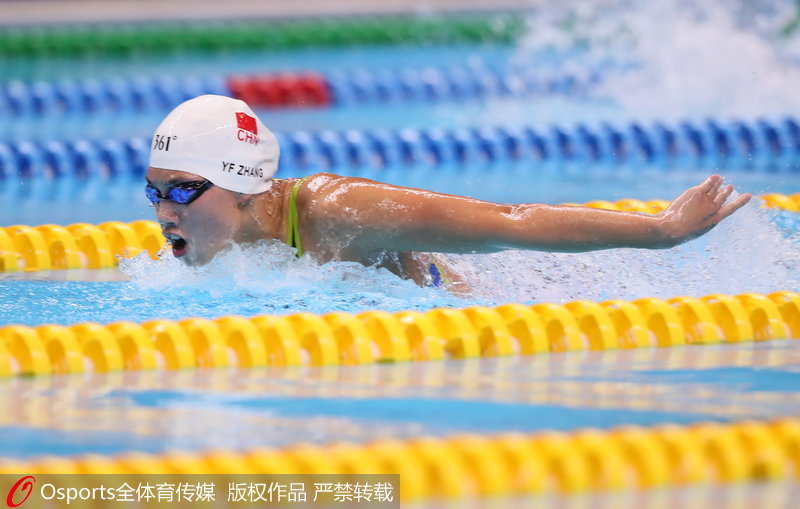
point(340, 338)
point(472, 465)
point(79, 245)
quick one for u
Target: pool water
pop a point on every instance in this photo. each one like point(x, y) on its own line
point(241, 409)
point(721, 62)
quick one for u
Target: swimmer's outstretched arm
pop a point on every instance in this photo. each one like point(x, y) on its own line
point(373, 216)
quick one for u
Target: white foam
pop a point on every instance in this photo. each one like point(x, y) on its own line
point(745, 253)
point(684, 59)
point(266, 277)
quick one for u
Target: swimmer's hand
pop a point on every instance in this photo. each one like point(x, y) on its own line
point(698, 210)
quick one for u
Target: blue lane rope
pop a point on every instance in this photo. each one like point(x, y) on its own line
point(741, 143)
point(19, 99)
point(39, 99)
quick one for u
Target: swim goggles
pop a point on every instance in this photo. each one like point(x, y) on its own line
point(183, 193)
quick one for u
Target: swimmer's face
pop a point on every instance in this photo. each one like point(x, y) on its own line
point(200, 229)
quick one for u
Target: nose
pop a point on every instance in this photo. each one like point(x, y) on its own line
point(167, 212)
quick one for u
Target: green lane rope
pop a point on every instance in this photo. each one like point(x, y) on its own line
point(117, 39)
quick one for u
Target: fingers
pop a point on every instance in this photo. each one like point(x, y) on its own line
point(723, 195)
point(733, 206)
point(715, 184)
point(710, 184)
point(719, 195)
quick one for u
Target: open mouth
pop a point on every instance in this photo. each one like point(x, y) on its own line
point(179, 245)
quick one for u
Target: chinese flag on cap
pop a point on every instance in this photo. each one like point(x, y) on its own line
point(246, 122)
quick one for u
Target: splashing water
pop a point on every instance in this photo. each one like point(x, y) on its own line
point(266, 277)
point(672, 59)
point(748, 252)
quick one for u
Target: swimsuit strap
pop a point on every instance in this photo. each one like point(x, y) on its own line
point(293, 230)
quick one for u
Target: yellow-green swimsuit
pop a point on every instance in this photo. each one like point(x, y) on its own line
point(293, 229)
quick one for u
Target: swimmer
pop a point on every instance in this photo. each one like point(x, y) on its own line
point(211, 182)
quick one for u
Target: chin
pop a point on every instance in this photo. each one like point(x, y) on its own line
point(193, 260)
point(187, 261)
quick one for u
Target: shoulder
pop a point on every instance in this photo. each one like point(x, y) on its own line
point(329, 199)
point(323, 182)
point(322, 188)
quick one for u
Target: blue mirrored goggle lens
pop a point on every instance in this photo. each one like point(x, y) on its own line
point(181, 193)
point(152, 194)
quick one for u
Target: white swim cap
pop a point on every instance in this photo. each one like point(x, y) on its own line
point(220, 139)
